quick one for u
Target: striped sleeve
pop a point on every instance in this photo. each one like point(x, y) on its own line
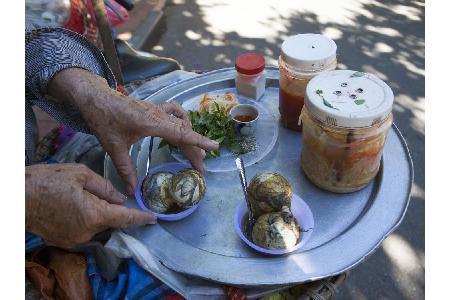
point(51, 50)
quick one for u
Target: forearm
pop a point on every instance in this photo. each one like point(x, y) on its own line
point(81, 89)
point(50, 52)
point(91, 95)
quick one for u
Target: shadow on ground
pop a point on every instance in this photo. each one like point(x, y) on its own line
point(382, 37)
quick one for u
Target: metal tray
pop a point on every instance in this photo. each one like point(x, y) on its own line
point(348, 227)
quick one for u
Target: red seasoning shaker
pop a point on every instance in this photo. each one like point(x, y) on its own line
point(303, 56)
point(250, 78)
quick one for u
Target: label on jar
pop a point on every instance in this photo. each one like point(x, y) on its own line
point(346, 98)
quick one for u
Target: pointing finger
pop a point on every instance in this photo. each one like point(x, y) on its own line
point(102, 188)
point(184, 135)
point(118, 216)
point(195, 155)
point(125, 167)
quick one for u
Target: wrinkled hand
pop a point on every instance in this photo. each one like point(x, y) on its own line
point(119, 121)
point(67, 204)
point(193, 153)
point(131, 120)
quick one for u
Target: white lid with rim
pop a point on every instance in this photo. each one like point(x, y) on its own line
point(346, 98)
point(308, 51)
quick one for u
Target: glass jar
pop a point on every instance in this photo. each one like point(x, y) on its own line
point(303, 56)
point(342, 141)
point(341, 160)
point(250, 78)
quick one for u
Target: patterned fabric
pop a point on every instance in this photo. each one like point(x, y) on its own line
point(132, 282)
point(46, 146)
point(47, 52)
point(32, 242)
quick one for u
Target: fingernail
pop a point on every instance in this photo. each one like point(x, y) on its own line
point(153, 220)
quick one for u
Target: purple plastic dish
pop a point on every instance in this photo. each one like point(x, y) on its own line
point(301, 212)
point(172, 167)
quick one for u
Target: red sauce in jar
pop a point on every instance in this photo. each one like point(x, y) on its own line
point(244, 118)
point(290, 107)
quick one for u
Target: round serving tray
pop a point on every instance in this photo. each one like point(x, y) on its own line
point(348, 227)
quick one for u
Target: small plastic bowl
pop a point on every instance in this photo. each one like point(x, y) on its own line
point(301, 212)
point(172, 167)
point(245, 128)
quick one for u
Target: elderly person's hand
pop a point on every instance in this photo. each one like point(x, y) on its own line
point(67, 204)
point(119, 121)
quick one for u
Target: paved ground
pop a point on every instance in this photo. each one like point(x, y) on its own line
point(382, 37)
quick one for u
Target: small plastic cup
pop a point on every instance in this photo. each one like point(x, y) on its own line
point(172, 167)
point(245, 127)
point(301, 212)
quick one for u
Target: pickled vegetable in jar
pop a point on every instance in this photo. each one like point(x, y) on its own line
point(346, 118)
point(303, 56)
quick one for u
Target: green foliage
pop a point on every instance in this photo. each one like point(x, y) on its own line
point(217, 126)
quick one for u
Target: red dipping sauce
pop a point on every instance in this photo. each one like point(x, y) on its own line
point(244, 118)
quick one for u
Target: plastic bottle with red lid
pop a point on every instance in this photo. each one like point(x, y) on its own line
point(250, 77)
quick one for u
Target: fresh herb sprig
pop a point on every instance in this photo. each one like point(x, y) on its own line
point(217, 126)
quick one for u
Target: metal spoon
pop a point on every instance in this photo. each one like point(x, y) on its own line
point(251, 218)
point(150, 148)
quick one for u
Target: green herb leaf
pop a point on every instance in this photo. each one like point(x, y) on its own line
point(217, 106)
point(319, 92)
point(360, 101)
point(217, 126)
point(220, 140)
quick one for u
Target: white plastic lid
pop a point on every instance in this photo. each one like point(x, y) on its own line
point(308, 51)
point(346, 98)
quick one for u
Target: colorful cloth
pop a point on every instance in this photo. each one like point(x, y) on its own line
point(32, 242)
point(132, 282)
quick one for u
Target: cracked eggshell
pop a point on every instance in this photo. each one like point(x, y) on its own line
point(269, 192)
point(155, 192)
point(278, 230)
point(187, 188)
